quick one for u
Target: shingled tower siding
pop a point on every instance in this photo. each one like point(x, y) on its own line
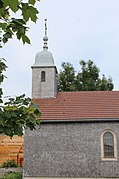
point(47, 88)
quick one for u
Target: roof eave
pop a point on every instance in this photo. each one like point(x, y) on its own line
point(81, 120)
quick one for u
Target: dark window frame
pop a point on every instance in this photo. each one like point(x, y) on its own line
point(43, 76)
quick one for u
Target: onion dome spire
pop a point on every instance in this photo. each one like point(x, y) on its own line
point(45, 38)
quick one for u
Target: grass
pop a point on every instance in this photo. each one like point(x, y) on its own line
point(9, 163)
point(15, 175)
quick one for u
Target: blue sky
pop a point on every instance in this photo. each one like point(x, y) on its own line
point(78, 29)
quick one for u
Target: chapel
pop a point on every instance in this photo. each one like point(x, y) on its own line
point(78, 136)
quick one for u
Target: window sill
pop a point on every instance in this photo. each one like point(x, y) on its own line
point(109, 159)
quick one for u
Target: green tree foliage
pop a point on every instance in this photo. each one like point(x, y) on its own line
point(66, 78)
point(14, 15)
point(9, 163)
point(87, 79)
point(18, 113)
point(2, 69)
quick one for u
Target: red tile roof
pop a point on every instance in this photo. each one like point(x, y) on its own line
point(80, 105)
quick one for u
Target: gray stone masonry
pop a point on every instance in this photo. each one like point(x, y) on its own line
point(44, 89)
point(69, 150)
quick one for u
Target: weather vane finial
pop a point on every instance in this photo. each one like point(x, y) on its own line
point(45, 38)
point(45, 27)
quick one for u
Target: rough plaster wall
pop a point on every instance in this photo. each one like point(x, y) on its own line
point(43, 89)
point(68, 150)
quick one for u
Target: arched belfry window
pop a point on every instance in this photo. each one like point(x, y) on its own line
point(43, 76)
point(108, 145)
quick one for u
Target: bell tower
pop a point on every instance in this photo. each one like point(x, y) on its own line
point(44, 72)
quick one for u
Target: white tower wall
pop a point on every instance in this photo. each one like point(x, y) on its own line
point(47, 88)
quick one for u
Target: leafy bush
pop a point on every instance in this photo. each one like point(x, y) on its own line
point(14, 175)
point(9, 163)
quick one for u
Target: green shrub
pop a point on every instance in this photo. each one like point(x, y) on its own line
point(9, 163)
point(15, 175)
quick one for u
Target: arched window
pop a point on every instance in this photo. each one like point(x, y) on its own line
point(108, 145)
point(108, 142)
point(43, 76)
